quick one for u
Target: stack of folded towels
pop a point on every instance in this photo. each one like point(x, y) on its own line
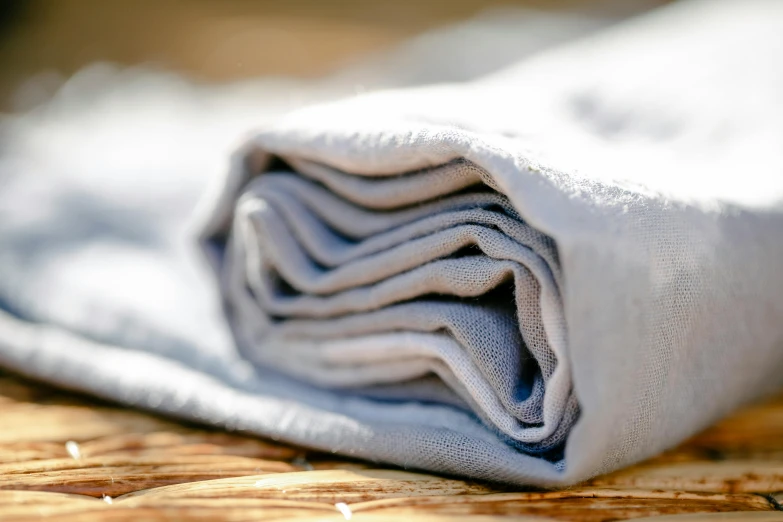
point(535, 277)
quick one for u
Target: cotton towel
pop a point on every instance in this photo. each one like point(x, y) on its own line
point(534, 277)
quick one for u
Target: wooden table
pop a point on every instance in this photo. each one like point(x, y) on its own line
point(74, 458)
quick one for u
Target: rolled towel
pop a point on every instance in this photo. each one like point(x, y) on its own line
point(444, 232)
point(441, 277)
point(535, 277)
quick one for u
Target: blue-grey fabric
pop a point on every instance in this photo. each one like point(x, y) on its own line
point(543, 274)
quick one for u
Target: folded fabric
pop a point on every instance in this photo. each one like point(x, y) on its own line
point(535, 277)
point(386, 239)
point(363, 300)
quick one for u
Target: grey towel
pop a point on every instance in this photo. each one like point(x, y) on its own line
point(538, 276)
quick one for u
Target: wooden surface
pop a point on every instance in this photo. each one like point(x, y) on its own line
point(71, 458)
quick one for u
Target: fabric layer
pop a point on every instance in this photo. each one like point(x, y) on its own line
point(504, 368)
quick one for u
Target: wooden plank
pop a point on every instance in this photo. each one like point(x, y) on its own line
point(589, 504)
point(155, 469)
point(730, 476)
point(327, 486)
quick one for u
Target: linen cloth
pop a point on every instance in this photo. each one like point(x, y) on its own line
point(584, 248)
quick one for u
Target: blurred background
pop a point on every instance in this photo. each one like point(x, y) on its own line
point(224, 41)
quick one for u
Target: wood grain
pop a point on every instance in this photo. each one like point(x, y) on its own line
point(72, 458)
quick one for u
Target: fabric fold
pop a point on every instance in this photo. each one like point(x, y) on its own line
point(476, 263)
